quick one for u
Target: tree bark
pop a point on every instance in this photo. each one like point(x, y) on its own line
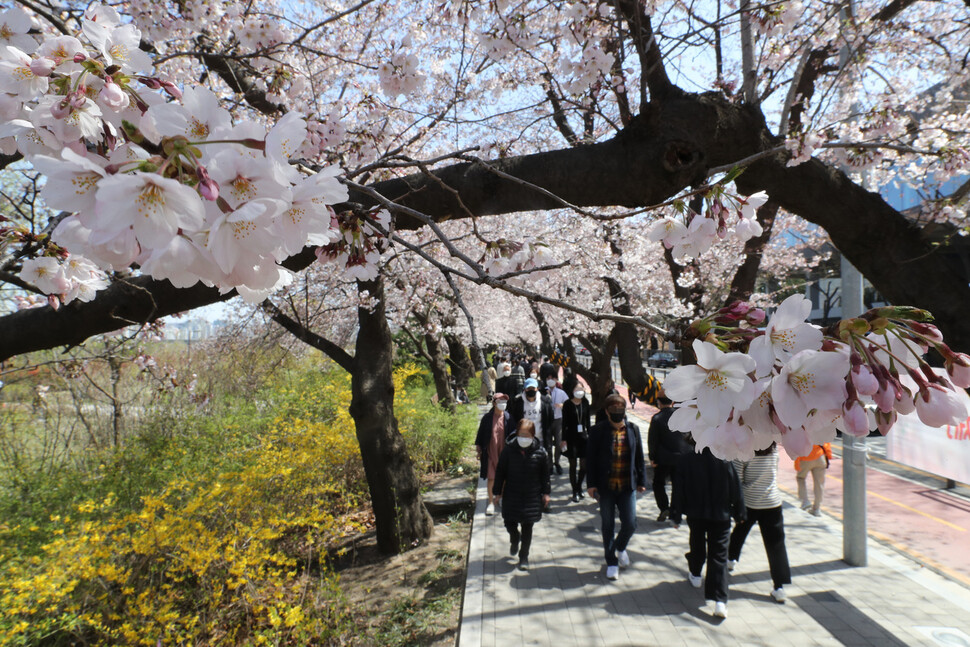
point(459, 361)
point(401, 518)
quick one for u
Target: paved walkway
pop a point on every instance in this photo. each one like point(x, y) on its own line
point(565, 599)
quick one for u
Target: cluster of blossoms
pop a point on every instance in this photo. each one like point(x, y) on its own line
point(504, 256)
point(778, 19)
point(689, 234)
point(803, 146)
point(174, 187)
point(791, 383)
point(358, 247)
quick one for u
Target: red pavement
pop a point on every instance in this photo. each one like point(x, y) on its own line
point(928, 524)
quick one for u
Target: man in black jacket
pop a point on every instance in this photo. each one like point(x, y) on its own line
point(615, 473)
point(664, 449)
point(708, 490)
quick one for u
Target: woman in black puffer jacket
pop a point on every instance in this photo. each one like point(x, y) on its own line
point(522, 485)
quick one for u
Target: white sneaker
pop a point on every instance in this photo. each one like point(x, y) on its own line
point(720, 609)
point(489, 509)
point(695, 580)
point(779, 595)
point(612, 572)
point(731, 564)
point(816, 513)
point(623, 558)
point(806, 505)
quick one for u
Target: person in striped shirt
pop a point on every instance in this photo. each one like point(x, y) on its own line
point(759, 483)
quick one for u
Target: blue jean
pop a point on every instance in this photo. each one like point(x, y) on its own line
point(626, 503)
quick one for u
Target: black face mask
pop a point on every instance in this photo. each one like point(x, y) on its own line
point(616, 416)
point(531, 395)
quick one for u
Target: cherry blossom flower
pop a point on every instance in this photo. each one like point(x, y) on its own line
point(197, 118)
point(787, 333)
point(811, 380)
point(72, 182)
point(14, 25)
point(46, 274)
point(719, 381)
point(155, 207)
point(16, 75)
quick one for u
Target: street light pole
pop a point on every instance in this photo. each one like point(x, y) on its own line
point(854, 530)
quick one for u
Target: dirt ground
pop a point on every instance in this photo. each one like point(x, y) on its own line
point(408, 599)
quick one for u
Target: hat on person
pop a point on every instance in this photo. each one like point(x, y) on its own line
point(532, 383)
point(500, 396)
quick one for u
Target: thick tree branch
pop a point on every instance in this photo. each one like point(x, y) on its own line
point(648, 49)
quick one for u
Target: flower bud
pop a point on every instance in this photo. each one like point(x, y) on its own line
point(929, 331)
point(885, 421)
point(863, 380)
point(42, 66)
point(171, 89)
point(208, 187)
point(937, 406)
point(80, 57)
point(113, 95)
point(958, 368)
point(756, 316)
point(854, 419)
point(61, 109)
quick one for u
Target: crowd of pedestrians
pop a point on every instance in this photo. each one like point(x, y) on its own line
point(522, 438)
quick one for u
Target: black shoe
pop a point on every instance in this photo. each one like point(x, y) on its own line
point(575, 497)
point(523, 564)
point(559, 469)
point(582, 495)
point(663, 515)
point(514, 548)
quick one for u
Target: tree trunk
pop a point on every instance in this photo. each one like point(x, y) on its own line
point(460, 362)
point(401, 518)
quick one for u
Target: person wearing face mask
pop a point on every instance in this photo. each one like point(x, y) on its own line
point(558, 398)
point(522, 485)
point(534, 406)
point(503, 383)
point(616, 472)
point(493, 430)
point(575, 431)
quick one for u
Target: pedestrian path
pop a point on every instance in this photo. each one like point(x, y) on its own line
point(565, 598)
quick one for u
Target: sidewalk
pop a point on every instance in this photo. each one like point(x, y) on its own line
point(565, 599)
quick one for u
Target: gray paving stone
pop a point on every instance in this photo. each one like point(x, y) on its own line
point(566, 599)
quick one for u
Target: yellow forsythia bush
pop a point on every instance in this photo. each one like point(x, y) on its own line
point(228, 558)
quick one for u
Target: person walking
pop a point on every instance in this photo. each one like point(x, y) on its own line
point(616, 472)
point(575, 432)
point(816, 462)
point(707, 490)
point(762, 500)
point(517, 383)
point(664, 449)
point(504, 383)
point(493, 430)
point(522, 486)
point(558, 398)
point(538, 408)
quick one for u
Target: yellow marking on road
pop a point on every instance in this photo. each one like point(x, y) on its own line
point(906, 507)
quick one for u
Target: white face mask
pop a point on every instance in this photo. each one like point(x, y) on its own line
point(533, 375)
point(524, 442)
point(507, 372)
point(550, 383)
point(579, 394)
point(501, 405)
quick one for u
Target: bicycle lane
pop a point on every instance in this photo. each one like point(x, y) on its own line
point(929, 525)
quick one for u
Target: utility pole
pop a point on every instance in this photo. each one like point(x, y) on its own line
point(854, 451)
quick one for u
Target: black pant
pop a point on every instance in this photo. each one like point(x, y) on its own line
point(660, 475)
point(524, 538)
point(709, 541)
point(772, 525)
point(577, 472)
